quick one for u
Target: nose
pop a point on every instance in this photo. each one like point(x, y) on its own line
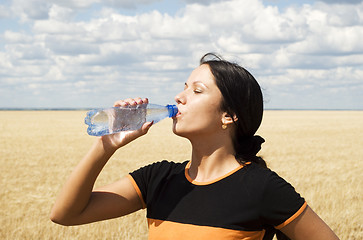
point(180, 98)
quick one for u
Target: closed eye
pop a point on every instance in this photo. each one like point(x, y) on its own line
point(195, 88)
point(197, 91)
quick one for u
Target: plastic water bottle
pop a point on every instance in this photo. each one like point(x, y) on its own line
point(112, 120)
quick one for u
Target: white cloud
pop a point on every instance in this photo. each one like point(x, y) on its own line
point(76, 63)
point(5, 64)
point(17, 37)
point(61, 13)
point(4, 12)
point(128, 3)
point(30, 9)
point(204, 2)
point(342, 1)
point(39, 9)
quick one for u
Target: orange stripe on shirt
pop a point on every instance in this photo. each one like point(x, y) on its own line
point(293, 217)
point(186, 171)
point(137, 190)
point(165, 230)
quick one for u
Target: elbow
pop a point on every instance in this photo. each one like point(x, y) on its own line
point(59, 218)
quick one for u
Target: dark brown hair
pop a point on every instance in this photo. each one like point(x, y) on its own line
point(241, 97)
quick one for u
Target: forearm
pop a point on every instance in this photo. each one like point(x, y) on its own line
point(76, 193)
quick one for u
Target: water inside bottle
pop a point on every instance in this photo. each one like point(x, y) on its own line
point(108, 121)
point(99, 118)
point(124, 119)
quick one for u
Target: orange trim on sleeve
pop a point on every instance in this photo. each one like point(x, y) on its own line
point(293, 217)
point(137, 189)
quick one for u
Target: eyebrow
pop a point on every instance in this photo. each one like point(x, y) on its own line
point(196, 82)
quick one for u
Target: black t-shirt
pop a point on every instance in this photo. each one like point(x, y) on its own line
point(247, 203)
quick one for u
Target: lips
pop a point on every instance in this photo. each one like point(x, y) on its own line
point(178, 114)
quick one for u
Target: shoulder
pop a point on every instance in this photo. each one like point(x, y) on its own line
point(265, 183)
point(257, 175)
point(252, 180)
point(160, 168)
point(277, 199)
point(150, 178)
point(266, 178)
point(165, 164)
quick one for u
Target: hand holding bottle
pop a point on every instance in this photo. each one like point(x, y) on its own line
point(122, 138)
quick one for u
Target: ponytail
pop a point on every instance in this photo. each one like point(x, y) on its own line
point(247, 148)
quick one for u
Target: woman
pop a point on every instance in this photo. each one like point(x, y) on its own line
point(224, 192)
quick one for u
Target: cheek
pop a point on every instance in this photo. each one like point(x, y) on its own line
point(201, 121)
point(200, 114)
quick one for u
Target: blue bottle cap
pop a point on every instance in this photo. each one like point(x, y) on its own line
point(173, 110)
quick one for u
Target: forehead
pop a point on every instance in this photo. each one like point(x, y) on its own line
point(202, 74)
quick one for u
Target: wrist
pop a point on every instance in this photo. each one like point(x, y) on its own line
point(107, 144)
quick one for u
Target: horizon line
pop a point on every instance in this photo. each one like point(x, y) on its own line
point(267, 109)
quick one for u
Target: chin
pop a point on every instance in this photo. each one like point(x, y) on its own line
point(179, 132)
point(176, 131)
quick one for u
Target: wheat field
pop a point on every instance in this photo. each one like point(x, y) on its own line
point(319, 152)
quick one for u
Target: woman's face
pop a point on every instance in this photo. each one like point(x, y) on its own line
point(199, 106)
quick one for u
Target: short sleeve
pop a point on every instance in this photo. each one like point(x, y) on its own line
point(147, 180)
point(141, 179)
point(281, 204)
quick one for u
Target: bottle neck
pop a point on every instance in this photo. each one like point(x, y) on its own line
point(172, 109)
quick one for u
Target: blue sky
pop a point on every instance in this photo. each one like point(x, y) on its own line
point(90, 53)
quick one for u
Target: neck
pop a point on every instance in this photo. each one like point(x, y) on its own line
point(212, 158)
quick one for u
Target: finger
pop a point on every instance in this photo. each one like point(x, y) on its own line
point(120, 103)
point(132, 135)
point(125, 102)
point(131, 102)
point(138, 100)
point(146, 126)
point(144, 129)
point(143, 100)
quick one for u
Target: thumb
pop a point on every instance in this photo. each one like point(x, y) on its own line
point(132, 135)
point(122, 138)
point(145, 127)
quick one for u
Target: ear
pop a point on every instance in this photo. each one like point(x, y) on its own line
point(228, 119)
